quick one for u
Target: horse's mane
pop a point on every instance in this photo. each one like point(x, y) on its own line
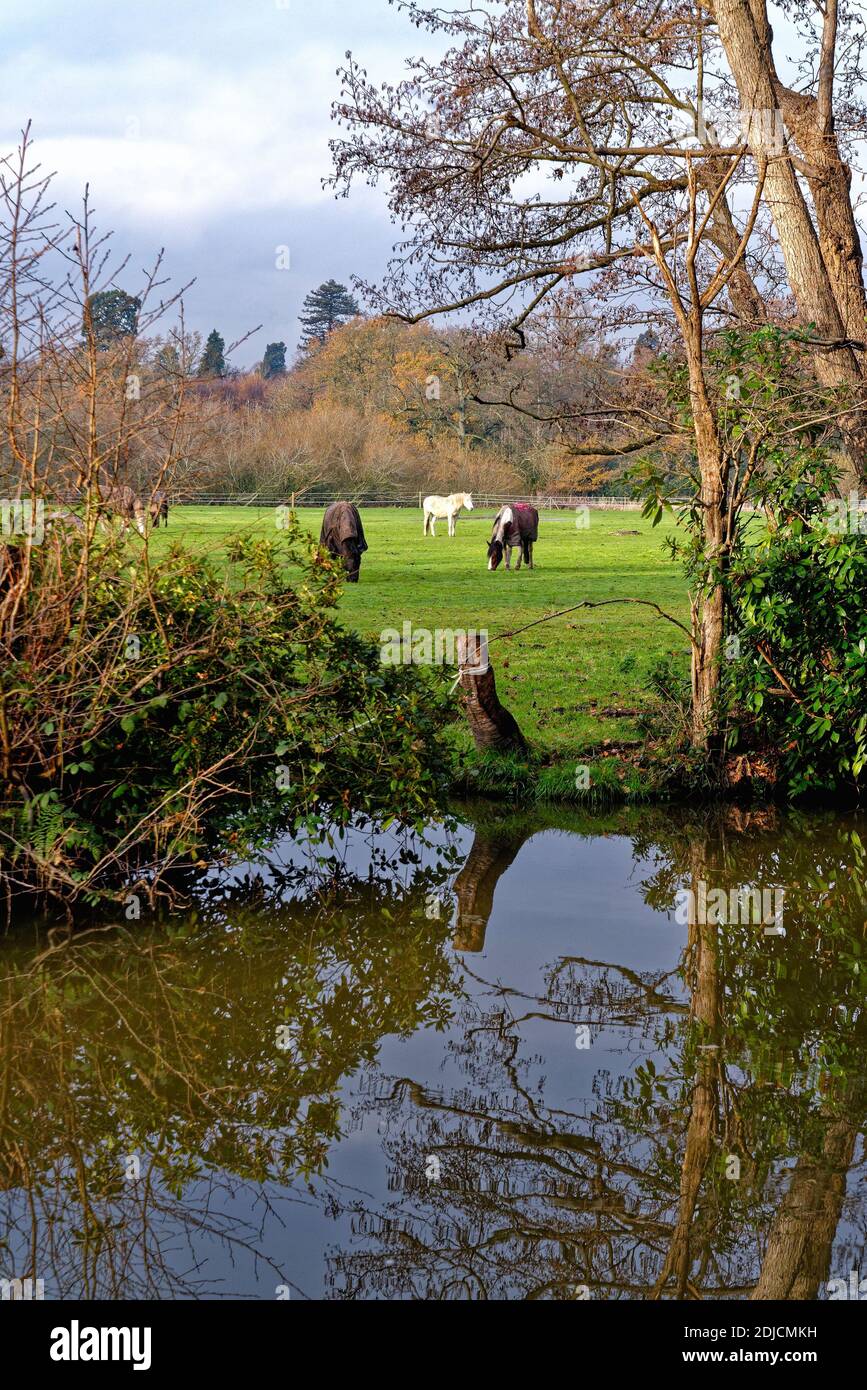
point(504, 518)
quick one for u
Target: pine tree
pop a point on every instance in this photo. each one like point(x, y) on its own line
point(325, 309)
point(114, 315)
point(213, 362)
point(274, 361)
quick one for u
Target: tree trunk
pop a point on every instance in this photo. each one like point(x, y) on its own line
point(746, 301)
point(710, 603)
point(823, 259)
point(798, 1255)
point(706, 733)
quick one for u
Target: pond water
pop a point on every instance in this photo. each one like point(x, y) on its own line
point(552, 1055)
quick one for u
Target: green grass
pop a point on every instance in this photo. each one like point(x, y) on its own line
point(570, 683)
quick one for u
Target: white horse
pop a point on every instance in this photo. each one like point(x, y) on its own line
point(435, 508)
point(121, 501)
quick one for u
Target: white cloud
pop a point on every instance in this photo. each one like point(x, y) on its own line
point(203, 126)
point(161, 140)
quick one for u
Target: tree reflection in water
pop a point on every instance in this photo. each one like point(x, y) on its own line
point(633, 1193)
point(145, 1083)
point(710, 1156)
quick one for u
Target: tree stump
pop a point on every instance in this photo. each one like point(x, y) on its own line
point(492, 725)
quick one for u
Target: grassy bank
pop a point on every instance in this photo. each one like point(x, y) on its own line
point(572, 683)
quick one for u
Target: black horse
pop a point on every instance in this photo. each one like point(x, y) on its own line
point(515, 525)
point(342, 535)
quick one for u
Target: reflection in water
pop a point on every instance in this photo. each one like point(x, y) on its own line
point(312, 1086)
point(148, 1076)
point(491, 854)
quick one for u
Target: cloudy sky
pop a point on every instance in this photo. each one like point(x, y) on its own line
point(202, 126)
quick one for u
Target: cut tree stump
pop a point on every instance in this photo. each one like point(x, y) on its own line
point(491, 724)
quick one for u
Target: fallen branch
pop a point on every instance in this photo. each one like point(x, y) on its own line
point(601, 603)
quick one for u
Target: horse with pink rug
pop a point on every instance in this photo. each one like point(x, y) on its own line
point(516, 526)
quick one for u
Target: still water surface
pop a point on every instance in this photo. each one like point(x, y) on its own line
point(511, 1064)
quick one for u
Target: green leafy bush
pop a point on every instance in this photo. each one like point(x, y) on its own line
point(798, 682)
point(792, 560)
point(153, 716)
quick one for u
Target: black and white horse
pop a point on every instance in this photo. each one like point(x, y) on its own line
point(516, 525)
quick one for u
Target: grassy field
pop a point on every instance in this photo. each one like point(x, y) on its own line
point(570, 683)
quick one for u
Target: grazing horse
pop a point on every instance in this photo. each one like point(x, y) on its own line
point(121, 501)
point(158, 507)
point(435, 508)
point(517, 525)
point(342, 535)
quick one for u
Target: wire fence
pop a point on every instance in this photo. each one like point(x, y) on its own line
point(544, 501)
